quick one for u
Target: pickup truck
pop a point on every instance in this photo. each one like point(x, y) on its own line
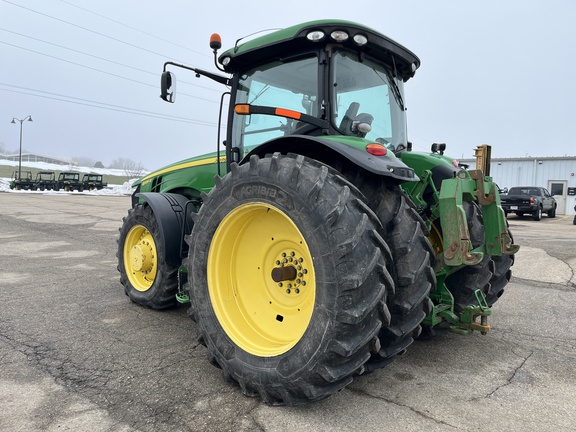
point(529, 199)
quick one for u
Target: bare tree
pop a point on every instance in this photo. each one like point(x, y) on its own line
point(131, 169)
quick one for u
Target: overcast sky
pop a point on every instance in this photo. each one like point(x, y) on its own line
point(500, 72)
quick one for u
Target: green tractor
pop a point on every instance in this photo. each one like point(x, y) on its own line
point(318, 245)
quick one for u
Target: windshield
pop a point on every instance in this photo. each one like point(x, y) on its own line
point(291, 85)
point(367, 102)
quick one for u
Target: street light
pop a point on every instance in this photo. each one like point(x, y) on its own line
point(29, 118)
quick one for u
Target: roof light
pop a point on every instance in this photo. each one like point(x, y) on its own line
point(339, 35)
point(225, 61)
point(315, 36)
point(376, 149)
point(360, 39)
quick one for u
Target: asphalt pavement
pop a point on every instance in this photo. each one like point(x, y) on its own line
point(76, 354)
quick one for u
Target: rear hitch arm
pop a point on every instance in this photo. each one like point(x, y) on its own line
point(456, 237)
point(498, 240)
point(473, 317)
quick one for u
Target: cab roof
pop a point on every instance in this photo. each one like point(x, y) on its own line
point(282, 44)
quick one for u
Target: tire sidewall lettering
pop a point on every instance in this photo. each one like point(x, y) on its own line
point(265, 192)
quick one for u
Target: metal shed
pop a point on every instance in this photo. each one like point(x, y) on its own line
point(557, 174)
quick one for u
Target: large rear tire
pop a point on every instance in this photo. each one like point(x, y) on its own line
point(410, 263)
point(146, 277)
point(288, 279)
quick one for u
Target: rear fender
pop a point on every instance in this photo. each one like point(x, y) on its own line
point(173, 222)
point(326, 150)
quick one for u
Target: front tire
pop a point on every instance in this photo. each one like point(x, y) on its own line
point(146, 277)
point(552, 212)
point(291, 333)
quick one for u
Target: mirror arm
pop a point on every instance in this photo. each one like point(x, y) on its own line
point(215, 77)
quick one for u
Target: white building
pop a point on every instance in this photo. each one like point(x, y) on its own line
point(34, 157)
point(557, 174)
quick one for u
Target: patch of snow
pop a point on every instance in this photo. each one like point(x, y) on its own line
point(111, 189)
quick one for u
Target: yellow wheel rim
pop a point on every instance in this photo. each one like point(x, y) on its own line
point(140, 258)
point(435, 238)
point(261, 279)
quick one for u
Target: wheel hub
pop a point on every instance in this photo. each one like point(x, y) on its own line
point(290, 275)
point(280, 274)
point(141, 258)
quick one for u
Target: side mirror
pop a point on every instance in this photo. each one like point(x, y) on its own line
point(168, 87)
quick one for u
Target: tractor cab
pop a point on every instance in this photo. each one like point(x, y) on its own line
point(335, 80)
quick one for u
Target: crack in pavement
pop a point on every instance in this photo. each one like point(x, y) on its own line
point(544, 285)
point(95, 383)
point(514, 332)
point(415, 411)
point(508, 381)
point(250, 413)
